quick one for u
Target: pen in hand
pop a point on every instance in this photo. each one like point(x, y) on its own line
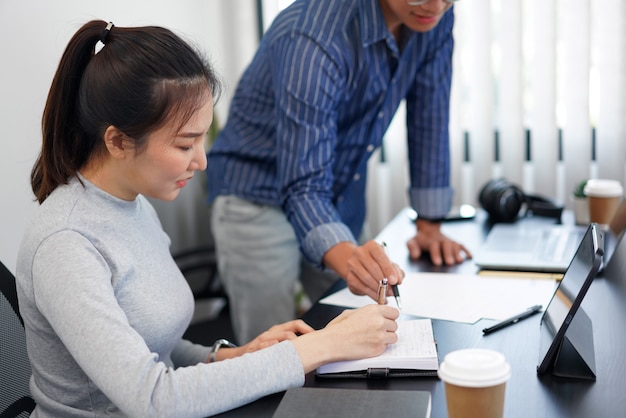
point(394, 287)
point(513, 320)
point(382, 292)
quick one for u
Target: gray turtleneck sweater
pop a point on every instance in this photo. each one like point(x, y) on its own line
point(105, 308)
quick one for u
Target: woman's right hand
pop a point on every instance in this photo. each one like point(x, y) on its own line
point(354, 334)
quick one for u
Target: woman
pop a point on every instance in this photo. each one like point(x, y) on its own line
point(104, 304)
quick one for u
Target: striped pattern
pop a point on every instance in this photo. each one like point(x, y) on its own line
point(314, 105)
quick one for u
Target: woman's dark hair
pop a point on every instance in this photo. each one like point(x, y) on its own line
point(137, 82)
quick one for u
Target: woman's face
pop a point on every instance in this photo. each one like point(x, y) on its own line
point(420, 18)
point(169, 158)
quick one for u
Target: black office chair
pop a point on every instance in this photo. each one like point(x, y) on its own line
point(15, 398)
point(199, 266)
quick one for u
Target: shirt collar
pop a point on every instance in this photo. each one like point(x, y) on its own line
point(373, 26)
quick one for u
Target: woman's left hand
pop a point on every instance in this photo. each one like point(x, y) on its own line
point(277, 333)
point(274, 335)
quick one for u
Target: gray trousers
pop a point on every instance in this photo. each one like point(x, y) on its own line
point(259, 263)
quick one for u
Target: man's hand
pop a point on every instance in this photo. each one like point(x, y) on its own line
point(429, 239)
point(363, 267)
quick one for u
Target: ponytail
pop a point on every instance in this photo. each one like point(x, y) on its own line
point(59, 158)
point(132, 78)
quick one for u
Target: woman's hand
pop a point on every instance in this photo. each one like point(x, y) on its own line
point(286, 331)
point(354, 334)
point(364, 332)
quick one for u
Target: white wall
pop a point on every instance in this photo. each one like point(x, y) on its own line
point(33, 35)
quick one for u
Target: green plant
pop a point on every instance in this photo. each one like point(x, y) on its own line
point(579, 190)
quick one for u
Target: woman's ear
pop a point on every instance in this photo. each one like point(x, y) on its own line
point(117, 143)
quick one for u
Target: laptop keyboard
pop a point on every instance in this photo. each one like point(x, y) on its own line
point(557, 245)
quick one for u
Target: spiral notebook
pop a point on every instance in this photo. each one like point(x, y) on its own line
point(414, 354)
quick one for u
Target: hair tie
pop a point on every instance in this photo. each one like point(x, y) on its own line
point(103, 37)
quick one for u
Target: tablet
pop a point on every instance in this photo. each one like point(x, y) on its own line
point(565, 303)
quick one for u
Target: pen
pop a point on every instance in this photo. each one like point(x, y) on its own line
point(382, 292)
point(394, 287)
point(513, 320)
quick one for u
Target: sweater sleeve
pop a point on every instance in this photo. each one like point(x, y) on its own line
point(187, 353)
point(104, 348)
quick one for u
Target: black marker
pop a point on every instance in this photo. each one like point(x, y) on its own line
point(513, 320)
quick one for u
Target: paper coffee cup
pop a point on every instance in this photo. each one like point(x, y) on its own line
point(475, 381)
point(604, 197)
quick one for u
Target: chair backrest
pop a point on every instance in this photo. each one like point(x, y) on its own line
point(15, 399)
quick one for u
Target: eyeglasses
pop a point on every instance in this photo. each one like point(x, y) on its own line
point(420, 2)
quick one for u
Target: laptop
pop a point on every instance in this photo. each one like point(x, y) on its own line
point(539, 246)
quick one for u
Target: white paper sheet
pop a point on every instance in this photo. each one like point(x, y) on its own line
point(459, 297)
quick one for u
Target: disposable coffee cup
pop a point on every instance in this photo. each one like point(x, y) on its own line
point(475, 381)
point(604, 197)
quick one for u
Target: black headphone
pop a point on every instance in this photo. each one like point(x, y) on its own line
point(503, 201)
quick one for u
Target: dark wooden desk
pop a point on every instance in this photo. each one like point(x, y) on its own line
point(527, 395)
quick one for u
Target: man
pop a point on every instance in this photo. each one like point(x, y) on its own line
point(287, 174)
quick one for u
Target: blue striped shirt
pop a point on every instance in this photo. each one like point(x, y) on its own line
point(314, 105)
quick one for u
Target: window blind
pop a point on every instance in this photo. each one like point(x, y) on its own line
point(538, 97)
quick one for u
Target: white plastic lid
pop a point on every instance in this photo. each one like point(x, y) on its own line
point(603, 188)
point(474, 367)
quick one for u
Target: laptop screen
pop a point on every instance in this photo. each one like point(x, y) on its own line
point(569, 295)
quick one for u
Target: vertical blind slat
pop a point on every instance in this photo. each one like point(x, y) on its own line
point(541, 65)
point(573, 62)
point(474, 93)
point(608, 95)
point(509, 81)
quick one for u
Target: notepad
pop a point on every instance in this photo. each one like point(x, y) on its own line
point(414, 354)
point(310, 402)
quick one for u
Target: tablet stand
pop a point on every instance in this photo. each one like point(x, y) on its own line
point(575, 357)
